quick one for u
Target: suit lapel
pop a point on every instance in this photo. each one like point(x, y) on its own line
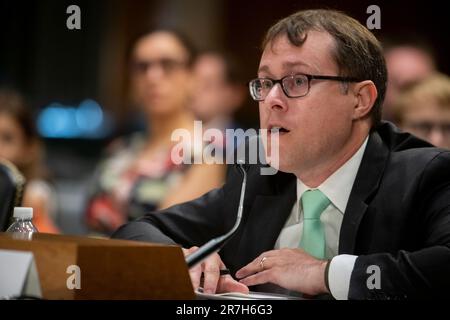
point(366, 183)
point(266, 219)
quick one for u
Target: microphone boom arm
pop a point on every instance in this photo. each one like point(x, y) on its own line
point(216, 244)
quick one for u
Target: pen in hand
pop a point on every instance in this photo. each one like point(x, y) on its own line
point(223, 272)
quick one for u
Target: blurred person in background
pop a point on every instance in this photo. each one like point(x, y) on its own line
point(139, 175)
point(220, 89)
point(424, 110)
point(219, 92)
point(408, 61)
point(21, 145)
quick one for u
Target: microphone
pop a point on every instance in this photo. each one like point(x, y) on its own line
point(216, 244)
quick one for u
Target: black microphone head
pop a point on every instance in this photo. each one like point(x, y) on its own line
point(250, 151)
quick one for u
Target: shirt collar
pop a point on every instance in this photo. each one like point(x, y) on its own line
point(338, 186)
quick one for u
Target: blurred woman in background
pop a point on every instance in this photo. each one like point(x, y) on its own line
point(20, 144)
point(139, 175)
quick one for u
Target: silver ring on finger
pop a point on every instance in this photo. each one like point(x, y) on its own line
point(261, 263)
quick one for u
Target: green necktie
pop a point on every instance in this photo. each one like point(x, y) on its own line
point(314, 202)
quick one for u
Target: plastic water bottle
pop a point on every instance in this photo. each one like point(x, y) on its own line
point(22, 226)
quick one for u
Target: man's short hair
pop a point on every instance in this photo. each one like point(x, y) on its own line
point(357, 52)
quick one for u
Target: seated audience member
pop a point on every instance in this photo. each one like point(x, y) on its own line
point(140, 175)
point(424, 110)
point(220, 89)
point(358, 209)
point(408, 61)
point(20, 144)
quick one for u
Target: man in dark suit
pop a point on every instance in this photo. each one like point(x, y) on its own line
point(358, 210)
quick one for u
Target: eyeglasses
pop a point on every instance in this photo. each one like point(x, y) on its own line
point(425, 128)
point(166, 64)
point(294, 86)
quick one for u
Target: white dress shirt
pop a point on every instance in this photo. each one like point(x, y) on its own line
point(337, 188)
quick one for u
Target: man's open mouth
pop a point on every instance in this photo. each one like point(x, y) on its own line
point(278, 129)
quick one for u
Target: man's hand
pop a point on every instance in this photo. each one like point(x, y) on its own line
point(292, 269)
point(212, 281)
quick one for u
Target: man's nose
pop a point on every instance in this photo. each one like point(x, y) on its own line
point(276, 99)
point(154, 73)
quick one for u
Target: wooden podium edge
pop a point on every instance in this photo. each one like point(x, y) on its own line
point(108, 268)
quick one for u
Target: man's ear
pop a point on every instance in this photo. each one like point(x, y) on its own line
point(366, 93)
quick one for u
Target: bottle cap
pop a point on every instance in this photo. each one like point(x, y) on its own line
point(23, 213)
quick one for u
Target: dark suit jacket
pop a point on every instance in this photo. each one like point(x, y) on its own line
point(397, 218)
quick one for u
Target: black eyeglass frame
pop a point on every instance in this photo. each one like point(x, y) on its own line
point(308, 76)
